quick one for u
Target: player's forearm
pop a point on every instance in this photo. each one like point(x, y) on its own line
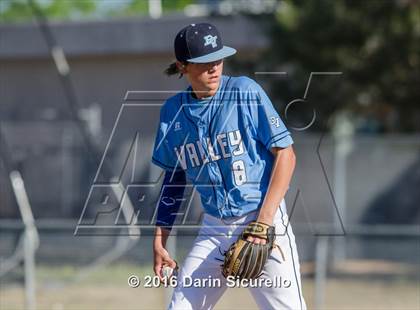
point(281, 175)
point(161, 236)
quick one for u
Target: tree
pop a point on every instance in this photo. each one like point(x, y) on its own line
point(376, 44)
point(20, 10)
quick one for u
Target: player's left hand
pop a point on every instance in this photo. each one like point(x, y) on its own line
point(256, 240)
point(262, 219)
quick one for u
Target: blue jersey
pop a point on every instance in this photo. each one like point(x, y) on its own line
point(223, 144)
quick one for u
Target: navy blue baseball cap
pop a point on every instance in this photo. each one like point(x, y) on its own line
point(200, 43)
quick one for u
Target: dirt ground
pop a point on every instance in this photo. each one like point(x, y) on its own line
point(109, 290)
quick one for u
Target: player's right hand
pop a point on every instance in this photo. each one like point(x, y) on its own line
point(161, 258)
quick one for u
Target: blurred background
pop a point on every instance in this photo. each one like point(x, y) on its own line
point(81, 85)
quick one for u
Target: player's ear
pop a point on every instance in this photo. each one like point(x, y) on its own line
point(182, 68)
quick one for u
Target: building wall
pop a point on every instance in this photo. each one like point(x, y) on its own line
point(107, 59)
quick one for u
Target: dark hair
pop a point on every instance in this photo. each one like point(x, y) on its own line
point(173, 69)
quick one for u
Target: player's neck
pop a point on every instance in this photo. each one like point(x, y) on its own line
point(203, 94)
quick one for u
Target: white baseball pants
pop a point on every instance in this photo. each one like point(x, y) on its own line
point(203, 262)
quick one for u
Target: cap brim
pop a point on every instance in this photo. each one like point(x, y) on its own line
point(226, 51)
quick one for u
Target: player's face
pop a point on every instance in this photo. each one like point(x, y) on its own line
point(204, 77)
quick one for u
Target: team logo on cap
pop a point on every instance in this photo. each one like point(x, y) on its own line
point(209, 39)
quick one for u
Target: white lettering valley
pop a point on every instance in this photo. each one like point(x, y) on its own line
point(195, 153)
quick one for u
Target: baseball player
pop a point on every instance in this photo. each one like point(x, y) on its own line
point(223, 134)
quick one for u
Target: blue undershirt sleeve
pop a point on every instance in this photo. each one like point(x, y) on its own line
point(171, 196)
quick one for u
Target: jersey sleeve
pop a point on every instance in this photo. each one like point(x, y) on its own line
point(268, 126)
point(163, 154)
